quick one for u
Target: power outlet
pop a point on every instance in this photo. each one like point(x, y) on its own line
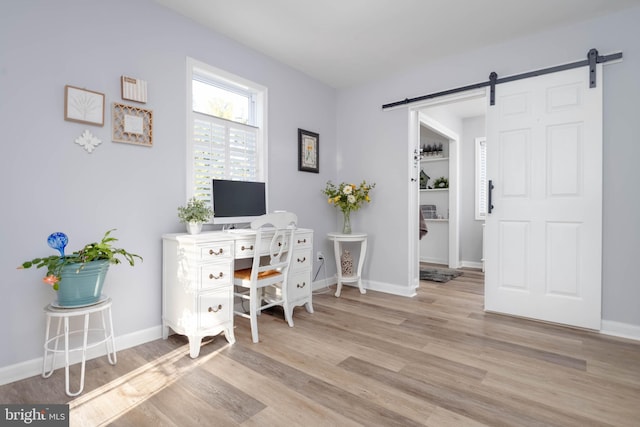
point(319, 256)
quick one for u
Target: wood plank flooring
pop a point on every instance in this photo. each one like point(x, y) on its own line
point(366, 360)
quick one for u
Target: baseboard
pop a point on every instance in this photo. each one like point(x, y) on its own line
point(471, 264)
point(429, 260)
point(389, 288)
point(30, 368)
point(622, 330)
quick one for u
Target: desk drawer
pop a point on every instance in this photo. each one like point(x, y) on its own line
point(301, 259)
point(215, 308)
point(217, 250)
point(299, 285)
point(303, 240)
point(245, 248)
point(215, 275)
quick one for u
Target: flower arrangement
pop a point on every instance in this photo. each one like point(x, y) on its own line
point(348, 197)
point(96, 251)
point(195, 211)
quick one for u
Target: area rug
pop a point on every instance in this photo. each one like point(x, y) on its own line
point(440, 275)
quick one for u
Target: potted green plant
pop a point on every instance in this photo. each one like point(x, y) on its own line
point(441, 182)
point(194, 214)
point(79, 277)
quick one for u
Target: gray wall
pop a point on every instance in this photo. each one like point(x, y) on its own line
point(470, 228)
point(373, 144)
point(49, 183)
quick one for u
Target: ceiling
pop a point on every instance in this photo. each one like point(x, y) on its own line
point(347, 42)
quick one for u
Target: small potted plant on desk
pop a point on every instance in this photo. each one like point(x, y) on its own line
point(194, 214)
point(79, 277)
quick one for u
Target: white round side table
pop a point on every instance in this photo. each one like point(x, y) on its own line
point(340, 238)
point(77, 340)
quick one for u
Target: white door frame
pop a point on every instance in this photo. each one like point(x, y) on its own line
point(413, 149)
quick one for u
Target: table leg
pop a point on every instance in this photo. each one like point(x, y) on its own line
point(336, 252)
point(363, 252)
point(84, 355)
point(45, 373)
point(110, 340)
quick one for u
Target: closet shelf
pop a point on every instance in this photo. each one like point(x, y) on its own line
point(433, 159)
point(429, 190)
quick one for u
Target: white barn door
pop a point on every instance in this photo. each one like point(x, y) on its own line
point(544, 235)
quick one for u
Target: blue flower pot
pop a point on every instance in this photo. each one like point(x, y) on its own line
point(81, 284)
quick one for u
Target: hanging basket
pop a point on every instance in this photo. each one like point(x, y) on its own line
point(81, 284)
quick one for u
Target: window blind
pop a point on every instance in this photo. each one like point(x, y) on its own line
point(222, 149)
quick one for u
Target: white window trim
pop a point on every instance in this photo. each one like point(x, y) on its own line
point(481, 184)
point(261, 118)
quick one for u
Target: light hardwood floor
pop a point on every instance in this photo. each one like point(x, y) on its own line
point(366, 360)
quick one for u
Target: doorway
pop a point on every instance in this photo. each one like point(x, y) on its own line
point(450, 230)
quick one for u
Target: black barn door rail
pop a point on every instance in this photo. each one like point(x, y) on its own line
point(592, 59)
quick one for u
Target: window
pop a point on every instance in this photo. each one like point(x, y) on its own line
point(481, 178)
point(226, 136)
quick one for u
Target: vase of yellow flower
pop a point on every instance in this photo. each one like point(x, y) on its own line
point(346, 222)
point(347, 197)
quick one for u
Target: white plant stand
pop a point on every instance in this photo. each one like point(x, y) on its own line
point(77, 340)
point(340, 238)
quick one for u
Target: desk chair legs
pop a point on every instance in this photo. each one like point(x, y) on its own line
point(255, 309)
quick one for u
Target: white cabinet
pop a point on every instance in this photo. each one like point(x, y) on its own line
point(299, 281)
point(197, 287)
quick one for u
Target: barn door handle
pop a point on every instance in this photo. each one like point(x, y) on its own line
point(490, 204)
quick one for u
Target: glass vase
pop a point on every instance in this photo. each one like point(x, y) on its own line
point(346, 224)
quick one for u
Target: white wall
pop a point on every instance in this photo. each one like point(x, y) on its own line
point(51, 184)
point(373, 145)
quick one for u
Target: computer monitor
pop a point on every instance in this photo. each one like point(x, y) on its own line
point(236, 202)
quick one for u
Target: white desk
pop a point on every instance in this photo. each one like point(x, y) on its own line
point(90, 338)
point(338, 239)
point(197, 280)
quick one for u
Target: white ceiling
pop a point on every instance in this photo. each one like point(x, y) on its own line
point(346, 42)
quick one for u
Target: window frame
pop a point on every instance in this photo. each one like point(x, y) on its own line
point(227, 80)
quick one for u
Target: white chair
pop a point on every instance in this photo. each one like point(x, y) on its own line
point(264, 285)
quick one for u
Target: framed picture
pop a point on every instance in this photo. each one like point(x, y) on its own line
point(308, 151)
point(133, 89)
point(132, 125)
point(83, 106)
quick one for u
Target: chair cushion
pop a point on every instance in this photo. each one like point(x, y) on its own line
point(245, 274)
